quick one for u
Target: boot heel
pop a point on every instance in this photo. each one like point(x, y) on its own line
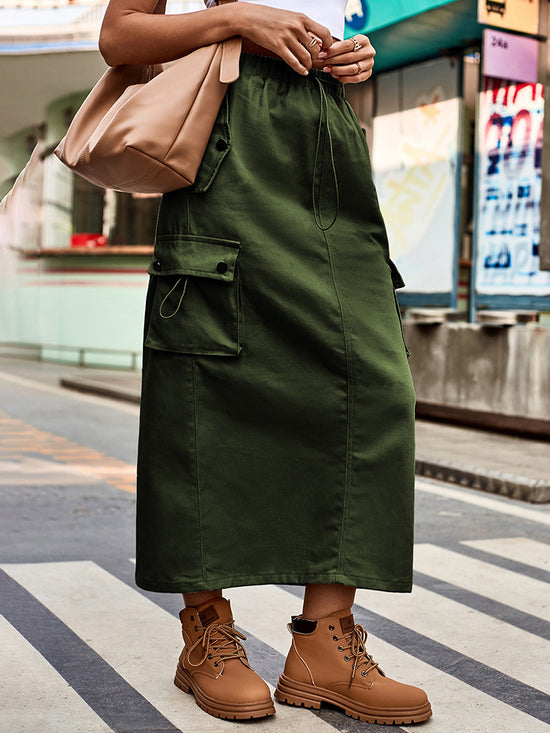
point(179, 680)
point(287, 692)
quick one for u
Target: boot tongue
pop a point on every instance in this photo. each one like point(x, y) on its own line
point(216, 611)
point(345, 620)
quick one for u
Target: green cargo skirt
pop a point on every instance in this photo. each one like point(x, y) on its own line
point(277, 415)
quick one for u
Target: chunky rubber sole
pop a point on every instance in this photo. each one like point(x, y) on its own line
point(227, 711)
point(309, 696)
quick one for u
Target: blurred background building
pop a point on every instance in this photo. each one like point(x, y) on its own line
point(455, 121)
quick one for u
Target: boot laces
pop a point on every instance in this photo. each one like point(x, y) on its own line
point(220, 642)
point(355, 643)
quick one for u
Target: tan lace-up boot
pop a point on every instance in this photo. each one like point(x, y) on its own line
point(328, 662)
point(214, 667)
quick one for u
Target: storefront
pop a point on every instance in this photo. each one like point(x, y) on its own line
point(456, 138)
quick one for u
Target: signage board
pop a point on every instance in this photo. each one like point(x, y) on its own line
point(369, 15)
point(516, 15)
point(416, 135)
point(508, 56)
point(509, 154)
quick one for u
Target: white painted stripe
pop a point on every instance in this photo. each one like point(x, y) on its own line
point(138, 639)
point(133, 409)
point(505, 586)
point(34, 697)
point(541, 515)
point(521, 549)
point(458, 707)
point(510, 650)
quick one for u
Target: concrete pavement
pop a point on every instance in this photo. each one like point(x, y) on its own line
point(84, 650)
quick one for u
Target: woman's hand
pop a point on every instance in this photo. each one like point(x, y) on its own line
point(292, 36)
point(350, 61)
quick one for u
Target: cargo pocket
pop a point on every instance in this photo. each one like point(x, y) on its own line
point(195, 307)
point(398, 282)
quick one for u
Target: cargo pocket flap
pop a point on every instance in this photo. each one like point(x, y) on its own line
point(195, 256)
point(396, 278)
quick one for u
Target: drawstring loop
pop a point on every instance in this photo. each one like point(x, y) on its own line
point(161, 314)
point(324, 118)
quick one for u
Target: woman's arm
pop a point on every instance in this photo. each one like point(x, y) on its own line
point(132, 34)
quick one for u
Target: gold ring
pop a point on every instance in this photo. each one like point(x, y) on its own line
point(359, 69)
point(312, 43)
point(356, 45)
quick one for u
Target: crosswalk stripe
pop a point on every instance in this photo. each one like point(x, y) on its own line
point(264, 611)
point(475, 498)
point(505, 586)
point(133, 635)
point(521, 549)
point(477, 635)
point(45, 701)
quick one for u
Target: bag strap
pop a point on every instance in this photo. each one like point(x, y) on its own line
point(231, 51)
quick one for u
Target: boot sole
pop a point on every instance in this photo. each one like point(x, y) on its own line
point(227, 711)
point(308, 696)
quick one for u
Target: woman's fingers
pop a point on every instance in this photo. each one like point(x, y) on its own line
point(358, 67)
point(285, 33)
point(354, 49)
point(350, 61)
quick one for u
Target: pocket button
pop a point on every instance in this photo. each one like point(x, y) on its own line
point(157, 266)
point(221, 267)
point(222, 144)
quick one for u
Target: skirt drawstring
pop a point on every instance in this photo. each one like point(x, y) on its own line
point(180, 301)
point(320, 189)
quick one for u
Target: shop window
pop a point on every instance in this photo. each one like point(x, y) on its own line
point(134, 218)
point(124, 218)
point(87, 207)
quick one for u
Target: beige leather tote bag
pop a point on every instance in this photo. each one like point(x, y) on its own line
point(145, 129)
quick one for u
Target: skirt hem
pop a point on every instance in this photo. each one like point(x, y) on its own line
point(390, 585)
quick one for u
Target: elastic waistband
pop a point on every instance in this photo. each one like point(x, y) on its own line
point(268, 66)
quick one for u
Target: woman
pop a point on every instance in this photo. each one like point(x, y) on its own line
point(276, 434)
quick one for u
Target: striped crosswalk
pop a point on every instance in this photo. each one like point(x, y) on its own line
point(461, 655)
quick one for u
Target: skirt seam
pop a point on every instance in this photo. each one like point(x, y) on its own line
point(197, 477)
point(347, 470)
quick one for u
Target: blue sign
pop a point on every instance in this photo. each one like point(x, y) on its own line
point(369, 15)
point(357, 15)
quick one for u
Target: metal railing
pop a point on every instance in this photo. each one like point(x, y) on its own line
point(45, 352)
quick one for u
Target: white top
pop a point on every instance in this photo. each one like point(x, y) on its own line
point(329, 13)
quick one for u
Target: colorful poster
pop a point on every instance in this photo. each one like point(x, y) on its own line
point(517, 15)
point(509, 179)
point(415, 153)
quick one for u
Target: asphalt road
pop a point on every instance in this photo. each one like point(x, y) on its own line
point(82, 649)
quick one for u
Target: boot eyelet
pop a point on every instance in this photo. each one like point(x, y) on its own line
point(334, 638)
point(216, 664)
point(192, 618)
point(331, 628)
point(209, 656)
point(340, 648)
point(347, 658)
point(364, 674)
point(195, 628)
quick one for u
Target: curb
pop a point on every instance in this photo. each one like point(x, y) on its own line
point(101, 389)
point(535, 491)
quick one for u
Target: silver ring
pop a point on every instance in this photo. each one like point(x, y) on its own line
point(359, 69)
point(356, 45)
